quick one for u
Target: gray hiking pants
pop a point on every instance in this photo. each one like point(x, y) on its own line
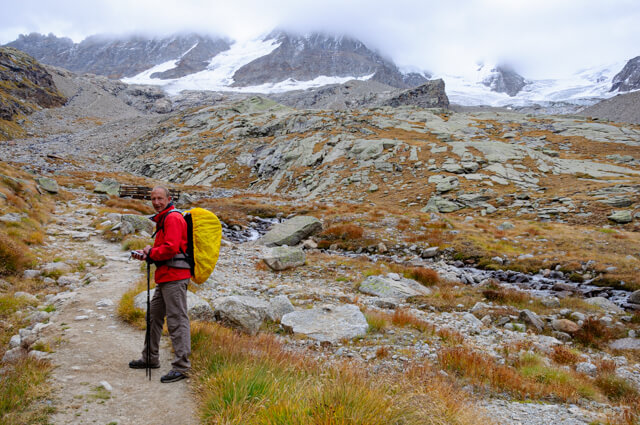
point(170, 300)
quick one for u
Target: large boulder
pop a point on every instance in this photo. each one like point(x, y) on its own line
point(136, 223)
point(392, 286)
point(604, 304)
point(621, 216)
point(565, 325)
point(330, 323)
point(438, 204)
point(532, 319)
point(242, 312)
point(292, 231)
point(197, 308)
point(284, 257)
point(108, 186)
point(635, 297)
point(48, 184)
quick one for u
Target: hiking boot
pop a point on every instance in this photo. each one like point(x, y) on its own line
point(141, 364)
point(172, 376)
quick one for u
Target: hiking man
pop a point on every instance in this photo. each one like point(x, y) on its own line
point(170, 298)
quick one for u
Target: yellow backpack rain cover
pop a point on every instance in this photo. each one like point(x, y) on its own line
point(204, 236)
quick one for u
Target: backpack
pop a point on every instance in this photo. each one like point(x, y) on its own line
point(204, 234)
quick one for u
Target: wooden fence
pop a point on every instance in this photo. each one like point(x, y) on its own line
point(143, 192)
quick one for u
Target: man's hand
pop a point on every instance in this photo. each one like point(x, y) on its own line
point(146, 250)
point(139, 255)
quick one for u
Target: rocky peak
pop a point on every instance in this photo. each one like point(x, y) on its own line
point(503, 79)
point(629, 77)
point(124, 56)
point(305, 57)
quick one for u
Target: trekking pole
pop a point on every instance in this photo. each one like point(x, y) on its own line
point(148, 334)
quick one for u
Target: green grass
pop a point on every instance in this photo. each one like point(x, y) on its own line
point(21, 387)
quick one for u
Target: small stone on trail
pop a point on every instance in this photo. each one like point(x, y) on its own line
point(106, 386)
point(105, 302)
point(78, 318)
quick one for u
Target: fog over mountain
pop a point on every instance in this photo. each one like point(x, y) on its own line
point(542, 39)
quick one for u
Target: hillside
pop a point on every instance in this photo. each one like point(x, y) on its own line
point(623, 107)
point(458, 266)
point(25, 86)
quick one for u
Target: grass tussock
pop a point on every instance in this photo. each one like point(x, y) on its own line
point(126, 309)
point(15, 256)
point(428, 277)
point(22, 386)
point(241, 379)
point(131, 243)
point(524, 377)
point(594, 333)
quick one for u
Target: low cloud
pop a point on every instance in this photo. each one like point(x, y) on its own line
point(539, 39)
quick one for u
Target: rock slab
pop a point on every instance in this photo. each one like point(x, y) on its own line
point(329, 323)
point(392, 286)
point(284, 257)
point(292, 231)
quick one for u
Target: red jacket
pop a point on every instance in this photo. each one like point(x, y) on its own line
point(170, 240)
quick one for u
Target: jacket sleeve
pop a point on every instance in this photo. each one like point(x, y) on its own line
point(174, 229)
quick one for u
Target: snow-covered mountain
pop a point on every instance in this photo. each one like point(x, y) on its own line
point(585, 87)
point(281, 62)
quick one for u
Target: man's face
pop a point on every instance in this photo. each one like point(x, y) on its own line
point(159, 200)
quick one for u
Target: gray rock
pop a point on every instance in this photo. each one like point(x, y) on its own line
point(106, 385)
point(280, 305)
point(80, 236)
point(162, 106)
point(625, 344)
point(292, 231)
point(604, 304)
point(139, 223)
point(551, 302)
point(38, 316)
point(59, 267)
point(472, 320)
point(635, 297)
point(12, 217)
point(430, 252)
point(530, 318)
point(26, 295)
point(68, 280)
point(38, 355)
point(618, 201)
point(438, 204)
point(284, 257)
point(197, 308)
point(13, 355)
point(48, 184)
point(621, 217)
point(31, 274)
point(81, 318)
point(108, 186)
point(445, 183)
point(587, 368)
point(506, 226)
point(14, 341)
point(242, 312)
point(105, 302)
point(388, 287)
point(577, 316)
point(561, 336)
point(330, 323)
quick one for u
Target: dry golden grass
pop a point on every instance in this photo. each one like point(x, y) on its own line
point(127, 311)
point(23, 389)
point(564, 355)
point(127, 204)
point(526, 377)
point(241, 379)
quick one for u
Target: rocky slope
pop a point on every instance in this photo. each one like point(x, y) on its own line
point(629, 77)
point(118, 57)
point(25, 86)
point(623, 107)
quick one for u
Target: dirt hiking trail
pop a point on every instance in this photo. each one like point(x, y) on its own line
point(96, 347)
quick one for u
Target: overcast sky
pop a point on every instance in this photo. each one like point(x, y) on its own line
point(539, 38)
